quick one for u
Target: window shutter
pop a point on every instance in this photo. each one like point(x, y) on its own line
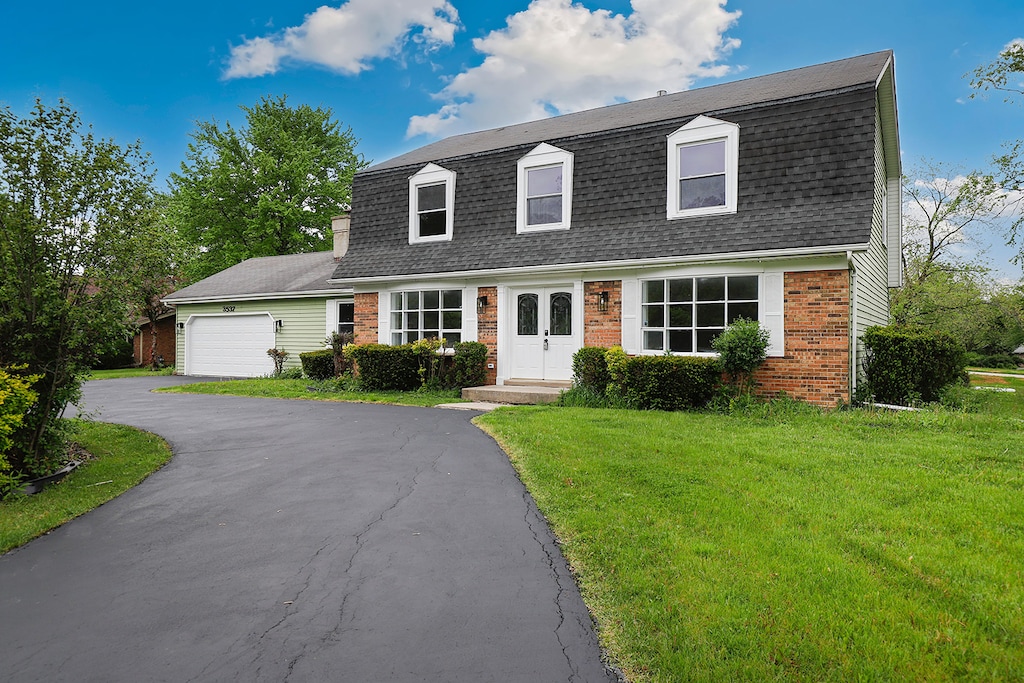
point(630, 318)
point(773, 318)
point(332, 316)
point(383, 319)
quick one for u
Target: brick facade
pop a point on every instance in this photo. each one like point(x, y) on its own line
point(602, 328)
point(166, 343)
point(365, 318)
point(816, 367)
point(487, 329)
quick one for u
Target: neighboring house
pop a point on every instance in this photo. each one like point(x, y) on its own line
point(142, 344)
point(227, 322)
point(650, 224)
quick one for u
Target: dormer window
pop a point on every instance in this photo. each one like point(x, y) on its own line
point(702, 163)
point(431, 204)
point(544, 190)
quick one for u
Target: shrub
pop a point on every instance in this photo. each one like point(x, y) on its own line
point(318, 364)
point(999, 361)
point(670, 382)
point(279, 356)
point(617, 360)
point(16, 399)
point(904, 364)
point(469, 365)
point(383, 368)
point(590, 369)
point(291, 373)
point(742, 347)
point(337, 343)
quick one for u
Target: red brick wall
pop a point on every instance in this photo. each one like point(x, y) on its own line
point(816, 367)
point(165, 342)
point(366, 318)
point(487, 329)
point(602, 328)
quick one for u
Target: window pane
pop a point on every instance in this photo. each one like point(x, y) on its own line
point(680, 290)
point(544, 181)
point(396, 321)
point(561, 314)
point(453, 337)
point(710, 315)
point(704, 338)
point(654, 291)
point(654, 316)
point(344, 328)
point(431, 320)
point(544, 210)
point(433, 223)
point(743, 287)
point(412, 301)
point(396, 338)
point(412, 335)
point(695, 193)
point(346, 313)
point(430, 197)
point(396, 301)
point(527, 311)
point(451, 298)
point(432, 334)
point(706, 158)
point(680, 315)
point(748, 311)
point(711, 289)
point(452, 320)
point(680, 341)
point(654, 340)
point(431, 299)
point(412, 321)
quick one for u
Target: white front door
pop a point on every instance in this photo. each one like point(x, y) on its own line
point(544, 337)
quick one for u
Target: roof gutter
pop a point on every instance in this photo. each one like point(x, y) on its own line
point(342, 291)
point(647, 263)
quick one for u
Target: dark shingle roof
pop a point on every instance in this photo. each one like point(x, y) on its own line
point(288, 275)
point(806, 179)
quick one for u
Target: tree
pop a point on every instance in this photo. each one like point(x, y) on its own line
point(998, 75)
point(72, 208)
point(266, 189)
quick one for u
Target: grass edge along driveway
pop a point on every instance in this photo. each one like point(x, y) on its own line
point(840, 546)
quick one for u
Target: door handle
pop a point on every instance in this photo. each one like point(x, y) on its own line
point(545, 343)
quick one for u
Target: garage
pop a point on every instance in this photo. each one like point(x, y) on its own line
point(229, 345)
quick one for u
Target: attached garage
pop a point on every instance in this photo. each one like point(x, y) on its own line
point(231, 345)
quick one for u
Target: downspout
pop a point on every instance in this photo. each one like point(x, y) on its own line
point(853, 324)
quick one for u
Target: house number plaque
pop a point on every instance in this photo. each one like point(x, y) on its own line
point(229, 309)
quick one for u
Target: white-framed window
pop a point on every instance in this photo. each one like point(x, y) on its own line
point(426, 314)
point(544, 190)
point(346, 317)
point(703, 157)
point(684, 315)
point(431, 204)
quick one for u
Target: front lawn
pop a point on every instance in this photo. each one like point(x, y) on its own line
point(266, 387)
point(851, 545)
point(123, 456)
point(130, 372)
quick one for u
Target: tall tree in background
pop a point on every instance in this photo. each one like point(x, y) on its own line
point(73, 209)
point(266, 189)
point(1006, 75)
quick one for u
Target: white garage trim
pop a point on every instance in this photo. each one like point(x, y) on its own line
point(229, 344)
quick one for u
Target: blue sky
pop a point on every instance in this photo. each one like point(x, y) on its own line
point(402, 72)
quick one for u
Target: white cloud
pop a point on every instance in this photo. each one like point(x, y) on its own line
point(347, 37)
point(557, 57)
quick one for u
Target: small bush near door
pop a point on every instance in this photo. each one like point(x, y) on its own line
point(318, 364)
point(590, 369)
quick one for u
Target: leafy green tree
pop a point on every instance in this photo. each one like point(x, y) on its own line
point(743, 347)
point(266, 189)
point(72, 209)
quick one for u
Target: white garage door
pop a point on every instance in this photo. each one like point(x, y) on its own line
point(229, 345)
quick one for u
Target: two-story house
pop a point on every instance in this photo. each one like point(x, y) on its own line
point(650, 224)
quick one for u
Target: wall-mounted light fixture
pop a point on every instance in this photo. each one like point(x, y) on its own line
point(279, 324)
point(602, 301)
point(181, 327)
point(481, 304)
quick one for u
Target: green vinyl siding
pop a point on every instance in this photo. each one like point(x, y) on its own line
point(304, 323)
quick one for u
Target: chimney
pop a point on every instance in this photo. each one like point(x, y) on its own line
point(662, 93)
point(340, 226)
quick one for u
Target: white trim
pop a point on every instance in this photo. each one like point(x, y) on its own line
point(432, 174)
point(315, 294)
point(700, 130)
point(544, 155)
point(600, 266)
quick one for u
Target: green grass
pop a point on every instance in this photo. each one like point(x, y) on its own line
point(1004, 371)
point(300, 388)
point(793, 545)
point(124, 456)
point(998, 402)
point(130, 372)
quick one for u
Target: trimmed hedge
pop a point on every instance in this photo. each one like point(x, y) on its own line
point(386, 368)
point(590, 369)
point(318, 364)
point(905, 364)
point(670, 382)
point(469, 365)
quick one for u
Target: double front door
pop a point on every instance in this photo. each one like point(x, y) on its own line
point(544, 337)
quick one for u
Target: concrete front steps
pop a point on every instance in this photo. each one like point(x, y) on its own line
point(518, 392)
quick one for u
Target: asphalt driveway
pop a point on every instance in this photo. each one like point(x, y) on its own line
point(303, 541)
